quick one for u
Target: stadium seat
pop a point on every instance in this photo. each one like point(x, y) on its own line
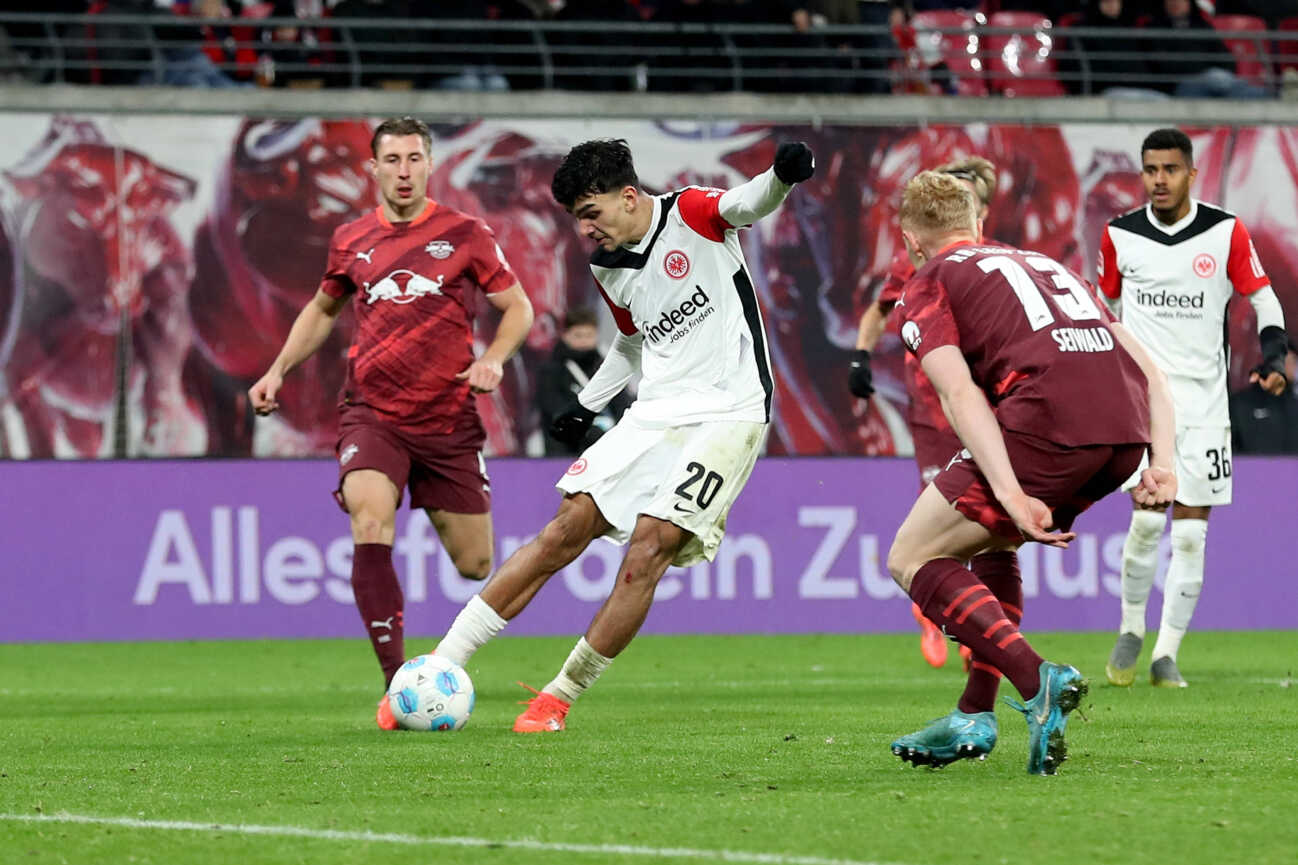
point(958, 50)
point(1286, 48)
point(1023, 63)
point(1252, 54)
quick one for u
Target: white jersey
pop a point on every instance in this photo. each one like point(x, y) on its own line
point(685, 289)
point(1174, 282)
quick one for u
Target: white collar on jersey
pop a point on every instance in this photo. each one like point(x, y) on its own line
point(643, 243)
point(1175, 226)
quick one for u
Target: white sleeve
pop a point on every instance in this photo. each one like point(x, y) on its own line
point(749, 202)
point(622, 362)
point(1267, 306)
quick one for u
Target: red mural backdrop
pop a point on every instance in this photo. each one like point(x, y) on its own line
point(150, 270)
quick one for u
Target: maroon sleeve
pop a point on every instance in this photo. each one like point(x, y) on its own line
point(1243, 267)
point(336, 282)
point(898, 272)
point(1106, 269)
point(488, 265)
point(620, 314)
point(701, 210)
point(927, 320)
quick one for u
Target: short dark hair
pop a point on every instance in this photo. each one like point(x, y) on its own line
point(1169, 139)
point(578, 316)
point(401, 126)
point(593, 168)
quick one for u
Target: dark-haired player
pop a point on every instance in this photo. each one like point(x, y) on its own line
point(1174, 265)
point(663, 479)
point(414, 272)
point(1055, 404)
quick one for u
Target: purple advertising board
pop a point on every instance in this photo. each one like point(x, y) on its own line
point(174, 550)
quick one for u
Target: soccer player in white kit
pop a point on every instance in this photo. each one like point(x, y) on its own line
point(1174, 264)
point(663, 479)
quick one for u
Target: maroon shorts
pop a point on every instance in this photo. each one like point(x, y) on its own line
point(444, 472)
point(933, 450)
point(1068, 479)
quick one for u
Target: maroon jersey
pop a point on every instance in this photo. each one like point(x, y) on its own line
point(925, 409)
point(1036, 340)
point(416, 287)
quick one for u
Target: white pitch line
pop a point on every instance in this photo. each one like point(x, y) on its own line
point(417, 840)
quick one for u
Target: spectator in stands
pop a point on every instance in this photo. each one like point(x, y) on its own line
point(1263, 423)
point(570, 49)
point(1198, 66)
point(576, 357)
point(1116, 61)
point(290, 52)
point(689, 62)
point(777, 54)
point(184, 63)
point(864, 57)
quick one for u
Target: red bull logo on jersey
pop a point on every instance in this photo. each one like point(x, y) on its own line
point(675, 323)
point(403, 286)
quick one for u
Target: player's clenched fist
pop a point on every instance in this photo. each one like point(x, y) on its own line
point(794, 162)
point(263, 393)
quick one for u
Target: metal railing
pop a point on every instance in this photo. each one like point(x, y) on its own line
point(616, 56)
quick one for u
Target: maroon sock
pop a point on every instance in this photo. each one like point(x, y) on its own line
point(999, 572)
point(958, 603)
point(379, 599)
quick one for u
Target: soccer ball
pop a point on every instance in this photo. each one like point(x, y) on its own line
point(429, 692)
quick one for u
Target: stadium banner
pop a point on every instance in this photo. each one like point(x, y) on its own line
point(178, 550)
point(152, 266)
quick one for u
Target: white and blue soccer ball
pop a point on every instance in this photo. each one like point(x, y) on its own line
point(429, 692)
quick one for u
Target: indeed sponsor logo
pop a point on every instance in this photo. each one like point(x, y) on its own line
point(675, 323)
point(1168, 300)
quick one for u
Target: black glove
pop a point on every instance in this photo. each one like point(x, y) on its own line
point(1275, 345)
point(794, 162)
point(859, 378)
point(571, 426)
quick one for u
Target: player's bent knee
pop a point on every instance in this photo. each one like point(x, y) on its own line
point(1189, 537)
point(473, 567)
point(1147, 526)
point(899, 566)
point(370, 530)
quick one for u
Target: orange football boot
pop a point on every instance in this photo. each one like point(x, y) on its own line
point(932, 642)
point(544, 713)
point(383, 717)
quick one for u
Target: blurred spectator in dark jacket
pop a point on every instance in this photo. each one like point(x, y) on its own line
point(1116, 61)
point(1198, 65)
point(576, 357)
point(183, 60)
point(1264, 424)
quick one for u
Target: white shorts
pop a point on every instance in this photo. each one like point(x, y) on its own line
point(687, 475)
point(1203, 468)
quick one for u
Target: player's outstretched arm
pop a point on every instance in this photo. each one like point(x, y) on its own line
point(485, 373)
point(749, 202)
point(308, 333)
point(972, 418)
point(1157, 488)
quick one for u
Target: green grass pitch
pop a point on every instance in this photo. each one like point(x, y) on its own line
point(691, 749)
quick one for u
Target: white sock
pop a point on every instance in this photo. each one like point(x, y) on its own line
point(473, 627)
point(579, 672)
point(1184, 580)
point(1139, 563)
